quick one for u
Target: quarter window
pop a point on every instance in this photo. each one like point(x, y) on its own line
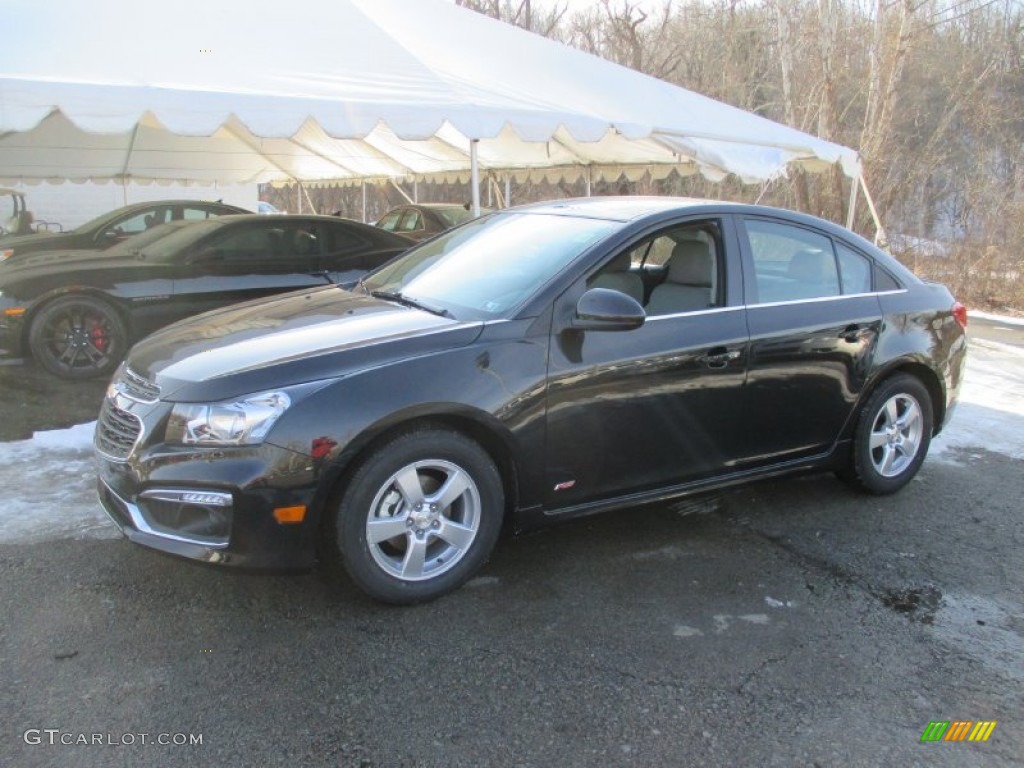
point(854, 269)
point(791, 263)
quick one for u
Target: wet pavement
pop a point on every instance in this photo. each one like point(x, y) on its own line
point(787, 623)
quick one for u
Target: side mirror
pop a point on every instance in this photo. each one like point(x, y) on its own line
point(602, 309)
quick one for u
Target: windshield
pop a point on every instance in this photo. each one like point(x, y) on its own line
point(489, 266)
point(165, 240)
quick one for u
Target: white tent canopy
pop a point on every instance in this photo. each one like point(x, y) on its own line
point(314, 90)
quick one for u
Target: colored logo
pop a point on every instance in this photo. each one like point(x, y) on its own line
point(958, 730)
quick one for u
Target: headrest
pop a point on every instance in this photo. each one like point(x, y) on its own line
point(807, 265)
point(691, 264)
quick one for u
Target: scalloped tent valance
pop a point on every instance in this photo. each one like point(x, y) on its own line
point(319, 90)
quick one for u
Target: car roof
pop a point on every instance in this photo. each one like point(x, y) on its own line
point(618, 208)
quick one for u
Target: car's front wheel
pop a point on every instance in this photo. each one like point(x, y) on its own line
point(78, 337)
point(894, 430)
point(418, 517)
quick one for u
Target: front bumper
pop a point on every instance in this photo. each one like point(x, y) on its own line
point(11, 331)
point(217, 505)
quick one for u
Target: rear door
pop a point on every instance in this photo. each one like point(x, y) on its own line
point(814, 324)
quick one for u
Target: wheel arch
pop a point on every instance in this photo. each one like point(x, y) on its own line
point(480, 427)
point(919, 370)
point(65, 292)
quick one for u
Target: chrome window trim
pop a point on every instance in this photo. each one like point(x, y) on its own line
point(824, 298)
point(694, 313)
point(715, 310)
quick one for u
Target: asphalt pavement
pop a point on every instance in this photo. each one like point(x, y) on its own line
point(788, 623)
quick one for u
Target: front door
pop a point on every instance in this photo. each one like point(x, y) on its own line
point(630, 411)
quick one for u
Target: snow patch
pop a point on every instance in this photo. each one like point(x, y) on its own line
point(49, 484)
point(990, 414)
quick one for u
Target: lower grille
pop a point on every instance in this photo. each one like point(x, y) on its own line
point(117, 432)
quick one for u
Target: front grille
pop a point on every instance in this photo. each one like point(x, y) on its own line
point(116, 431)
point(137, 388)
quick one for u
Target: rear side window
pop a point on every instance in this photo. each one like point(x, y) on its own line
point(854, 269)
point(791, 263)
point(884, 281)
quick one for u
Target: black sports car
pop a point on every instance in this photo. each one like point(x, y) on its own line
point(114, 227)
point(76, 312)
point(533, 365)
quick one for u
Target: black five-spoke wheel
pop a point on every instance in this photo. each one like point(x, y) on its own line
point(78, 337)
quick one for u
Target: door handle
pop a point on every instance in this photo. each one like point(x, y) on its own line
point(719, 357)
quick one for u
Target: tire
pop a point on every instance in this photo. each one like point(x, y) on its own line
point(418, 517)
point(78, 337)
point(894, 430)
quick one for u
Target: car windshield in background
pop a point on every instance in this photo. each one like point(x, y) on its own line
point(489, 266)
point(163, 241)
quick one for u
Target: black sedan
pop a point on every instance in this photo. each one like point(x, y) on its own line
point(76, 312)
point(114, 227)
point(533, 365)
point(421, 221)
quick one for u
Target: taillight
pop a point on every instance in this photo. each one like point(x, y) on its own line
point(960, 314)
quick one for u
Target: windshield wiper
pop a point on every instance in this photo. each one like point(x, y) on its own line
point(410, 302)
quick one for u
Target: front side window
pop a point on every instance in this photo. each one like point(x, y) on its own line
point(140, 222)
point(390, 221)
point(413, 221)
point(675, 271)
point(791, 263)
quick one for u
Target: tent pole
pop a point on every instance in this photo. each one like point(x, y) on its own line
point(298, 197)
point(508, 190)
point(363, 185)
point(415, 191)
point(880, 238)
point(402, 192)
point(852, 210)
point(588, 181)
point(474, 175)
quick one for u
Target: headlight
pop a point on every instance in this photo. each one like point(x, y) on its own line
point(245, 422)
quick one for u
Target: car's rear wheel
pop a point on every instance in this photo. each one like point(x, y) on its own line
point(419, 517)
point(893, 433)
point(78, 337)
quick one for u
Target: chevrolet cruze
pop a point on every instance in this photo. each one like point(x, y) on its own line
point(534, 365)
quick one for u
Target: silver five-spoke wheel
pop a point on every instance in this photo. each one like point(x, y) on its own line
point(423, 520)
point(894, 429)
point(418, 515)
point(896, 435)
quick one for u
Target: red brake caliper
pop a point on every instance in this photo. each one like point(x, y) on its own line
point(98, 334)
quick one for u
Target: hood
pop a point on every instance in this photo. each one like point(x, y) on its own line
point(300, 337)
point(58, 262)
point(49, 240)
